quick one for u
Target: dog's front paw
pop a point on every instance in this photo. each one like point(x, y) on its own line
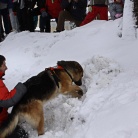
point(80, 92)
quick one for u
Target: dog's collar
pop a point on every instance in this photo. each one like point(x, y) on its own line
point(52, 73)
point(60, 67)
point(56, 67)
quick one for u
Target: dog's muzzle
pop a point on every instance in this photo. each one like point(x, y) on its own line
point(79, 83)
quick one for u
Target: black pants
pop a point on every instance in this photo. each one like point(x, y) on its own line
point(25, 18)
point(0, 41)
point(22, 15)
point(63, 16)
point(30, 18)
point(19, 132)
point(45, 23)
point(1, 36)
point(6, 20)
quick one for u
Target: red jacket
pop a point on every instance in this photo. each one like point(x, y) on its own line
point(8, 99)
point(53, 7)
point(102, 11)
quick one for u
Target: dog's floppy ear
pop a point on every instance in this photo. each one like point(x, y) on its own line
point(62, 63)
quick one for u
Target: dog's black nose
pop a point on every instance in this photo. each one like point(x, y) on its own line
point(79, 83)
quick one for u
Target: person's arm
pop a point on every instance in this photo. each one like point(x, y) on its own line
point(8, 99)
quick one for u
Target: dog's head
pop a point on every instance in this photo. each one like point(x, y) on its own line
point(74, 69)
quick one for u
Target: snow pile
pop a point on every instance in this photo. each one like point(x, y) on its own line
point(64, 113)
point(99, 71)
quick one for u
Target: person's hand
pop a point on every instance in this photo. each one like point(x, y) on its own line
point(44, 13)
point(35, 80)
point(118, 15)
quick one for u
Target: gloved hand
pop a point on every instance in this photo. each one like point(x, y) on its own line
point(118, 15)
point(44, 13)
point(35, 80)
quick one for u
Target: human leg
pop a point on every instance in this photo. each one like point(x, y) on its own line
point(103, 13)
point(30, 21)
point(48, 26)
point(45, 24)
point(1, 29)
point(41, 24)
point(36, 12)
point(21, 15)
point(112, 10)
point(13, 20)
point(90, 16)
point(0, 40)
point(6, 20)
point(63, 15)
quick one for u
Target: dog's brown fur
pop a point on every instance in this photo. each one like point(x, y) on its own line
point(31, 105)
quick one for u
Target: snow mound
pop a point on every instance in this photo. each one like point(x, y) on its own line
point(99, 71)
point(63, 113)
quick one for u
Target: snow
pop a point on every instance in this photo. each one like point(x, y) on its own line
point(129, 19)
point(108, 108)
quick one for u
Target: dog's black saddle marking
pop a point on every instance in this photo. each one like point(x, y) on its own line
point(52, 73)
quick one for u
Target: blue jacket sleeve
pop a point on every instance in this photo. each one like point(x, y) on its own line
point(20, 91)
